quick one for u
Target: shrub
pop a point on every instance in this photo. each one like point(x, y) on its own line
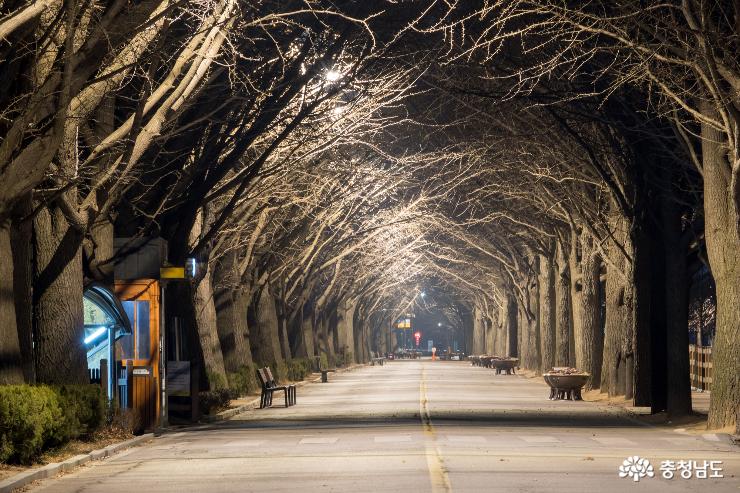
point(299, 368)
point(84, 410)
point(29, 417)
point(122, 422)
point(216, 381)
point(33, 418)
point(279, 371)
point(243, 381)
point(213, 401)
point(324, 361)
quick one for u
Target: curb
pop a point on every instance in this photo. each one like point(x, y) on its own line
point(51, 470)
point(230, 413)
point(721, 438)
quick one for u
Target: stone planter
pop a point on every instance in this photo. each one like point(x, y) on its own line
point(505, 365)
point(566, 386)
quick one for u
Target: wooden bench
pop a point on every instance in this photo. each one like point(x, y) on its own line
point(269, 386)
point(325, 374)
point(291, 387)
point(376, 360)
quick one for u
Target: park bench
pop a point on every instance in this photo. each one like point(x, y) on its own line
point(269, 386)
point(375, 359)
point(325, 374)
point(291, 387)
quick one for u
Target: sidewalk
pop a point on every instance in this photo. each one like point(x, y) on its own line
point(238, 406)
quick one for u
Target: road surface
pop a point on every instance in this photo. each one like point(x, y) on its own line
point(412, 426)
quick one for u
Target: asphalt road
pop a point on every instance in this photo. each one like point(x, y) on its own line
point(412, 426)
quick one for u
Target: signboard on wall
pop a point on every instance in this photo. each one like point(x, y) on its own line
point(430, 344)
point(178, 378)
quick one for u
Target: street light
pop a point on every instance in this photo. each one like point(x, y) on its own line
point(332, 75)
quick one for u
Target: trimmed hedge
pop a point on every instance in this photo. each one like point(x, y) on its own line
point(238, 383)
point(324, 361)
point(243, 381)
point(346, 359)
point(84, 408)
point(280, 371)
point(34, 418)
point(213, 401)
point(299, 368)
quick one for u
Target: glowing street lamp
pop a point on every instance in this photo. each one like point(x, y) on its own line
point(332, 75)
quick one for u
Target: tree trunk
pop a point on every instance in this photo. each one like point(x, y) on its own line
point(98, 252)
point(723, 249)
point(490, 336)
point(361, 340)
point(479, 340)
point(232, 306)
point(466, 319)
point(205, 318)
point(11, 360)
point(575, 339)
point(501, 345)
point(563, 319)
point(547, 311)
point(233, 330)
point(641, 367)
point(618, 327)
point(21, 239)
point(512, 348)
point(323, 341)
point(264, 338)
point(305, 347)
point(535, 358)
point(61, 356)
point(345, 330)
point(282, 318)
point(676, 294)
point(587, 351)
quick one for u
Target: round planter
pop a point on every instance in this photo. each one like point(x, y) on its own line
point(505, 365)
point(566, 386)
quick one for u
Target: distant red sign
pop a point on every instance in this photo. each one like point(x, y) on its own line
point(417, 338)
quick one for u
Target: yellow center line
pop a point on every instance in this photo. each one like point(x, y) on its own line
point(437, 472)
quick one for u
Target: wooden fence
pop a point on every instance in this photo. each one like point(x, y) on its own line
point(700, 367)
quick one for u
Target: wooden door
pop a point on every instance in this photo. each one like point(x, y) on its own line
point(140, 350)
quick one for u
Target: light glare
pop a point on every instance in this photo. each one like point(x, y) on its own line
point(333, 75)
point(98, 332)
